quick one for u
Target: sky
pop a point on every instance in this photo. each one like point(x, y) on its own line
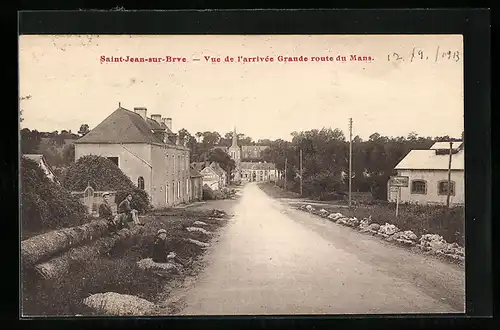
point(391, 94)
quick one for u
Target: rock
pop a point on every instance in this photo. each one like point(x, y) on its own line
point(435, 244)
point(309, 208)
point(374, 226)
point(200, 223)
point(323, 212)
point(149, 264)
point(404, 237)
point(198, 229)
point(115, 304)
point(387, 230)
point(202, 244)
point(335, 216)
point(364, 223)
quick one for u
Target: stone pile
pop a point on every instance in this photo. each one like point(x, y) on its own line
point(405, 237)
point(387, 230)
point(435, 244)
point(115, 304)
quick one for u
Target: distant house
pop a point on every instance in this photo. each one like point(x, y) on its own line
point(146, 150)
point(259, 172)
point(196, 188)
point(40, 160)
point(213, 175)
point(427, 171)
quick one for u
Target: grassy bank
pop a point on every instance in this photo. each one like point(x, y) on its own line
point(276, 191)
point(421, 219)
point(117, 271)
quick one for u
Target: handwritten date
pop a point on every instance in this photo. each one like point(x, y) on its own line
point(417, 54)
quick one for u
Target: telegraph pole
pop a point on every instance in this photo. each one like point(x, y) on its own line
point(449, 178)
point(301, 172)
point(350, 160)
point(286, 161)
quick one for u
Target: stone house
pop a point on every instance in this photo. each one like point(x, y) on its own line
point(427, 172)
point(146, 150)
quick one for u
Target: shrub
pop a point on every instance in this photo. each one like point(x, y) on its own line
point(208, 193)
point(102, 174)
point(45, 204)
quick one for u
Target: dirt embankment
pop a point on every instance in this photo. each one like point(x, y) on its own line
point(118, 271)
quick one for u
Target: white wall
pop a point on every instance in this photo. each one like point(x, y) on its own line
point(432, 177)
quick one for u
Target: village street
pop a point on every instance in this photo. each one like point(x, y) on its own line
point(272, 259)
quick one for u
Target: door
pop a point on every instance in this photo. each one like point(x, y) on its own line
point(166, 194)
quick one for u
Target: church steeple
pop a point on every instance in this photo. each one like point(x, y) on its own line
point(235, 138)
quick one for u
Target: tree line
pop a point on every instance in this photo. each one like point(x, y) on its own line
point(325, 155)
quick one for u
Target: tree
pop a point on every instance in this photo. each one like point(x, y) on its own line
point(219, 156)
point(84, 129)
point(30, 141)
point(23, 98)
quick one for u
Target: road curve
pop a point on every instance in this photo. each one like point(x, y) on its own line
point(271, 259)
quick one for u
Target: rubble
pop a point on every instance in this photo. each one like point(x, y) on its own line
point(309, 208)
point(387, 230)
point(350, 222)
point(335, 216)
point(363, 224)
point(435, 244)
point(323, 212)
point(372, 228)
point(404, 237)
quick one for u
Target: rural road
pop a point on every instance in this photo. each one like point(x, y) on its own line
point(272, 259)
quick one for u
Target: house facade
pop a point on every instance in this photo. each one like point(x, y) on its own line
point(146, 150)
point(427, 172)
point(196, 189)
point(258, 172)
point(213, 175)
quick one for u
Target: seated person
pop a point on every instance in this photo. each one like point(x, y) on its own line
point(126, 213)
point(160, 254)
point(106, 212)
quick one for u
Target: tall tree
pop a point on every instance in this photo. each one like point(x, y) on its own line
point(84, 129)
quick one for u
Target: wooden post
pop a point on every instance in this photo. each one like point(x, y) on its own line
point(449, 177)
point(301, 172)
point(350, 161)
point(286, 163)
point(397, 201)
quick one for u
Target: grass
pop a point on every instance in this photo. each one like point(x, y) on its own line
point(277, 192)
point(115, 272)
point(421, 219)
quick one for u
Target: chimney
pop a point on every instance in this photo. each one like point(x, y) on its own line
point(156, 118)
point(168, 122)
point(141, 111)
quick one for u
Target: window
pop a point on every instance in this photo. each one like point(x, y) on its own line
point(140, 183)
point(114, 160)
point(419, 187)
point(443, 188)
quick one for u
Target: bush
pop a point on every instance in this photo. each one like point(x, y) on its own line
point(208, 193)
point(102, 174)
point(45, 204)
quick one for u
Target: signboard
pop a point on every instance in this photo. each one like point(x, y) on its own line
point(399, 181)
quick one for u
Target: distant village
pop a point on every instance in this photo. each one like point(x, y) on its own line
point(159, 161)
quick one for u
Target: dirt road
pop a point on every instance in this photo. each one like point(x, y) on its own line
point(272, 259)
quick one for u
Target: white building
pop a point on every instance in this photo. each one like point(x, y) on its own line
point(427, 171)
point(40, 160)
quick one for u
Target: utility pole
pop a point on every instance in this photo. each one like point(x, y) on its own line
point(449, 178)
point(350, 160)
point(286, 162)
point(301, 172)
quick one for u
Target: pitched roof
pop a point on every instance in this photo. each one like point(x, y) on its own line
point(123, 126)
point(446, 145)
point(429, 160)
point(257, 166)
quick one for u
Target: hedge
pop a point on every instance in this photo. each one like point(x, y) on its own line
point(102, 175)
point(45, 204)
